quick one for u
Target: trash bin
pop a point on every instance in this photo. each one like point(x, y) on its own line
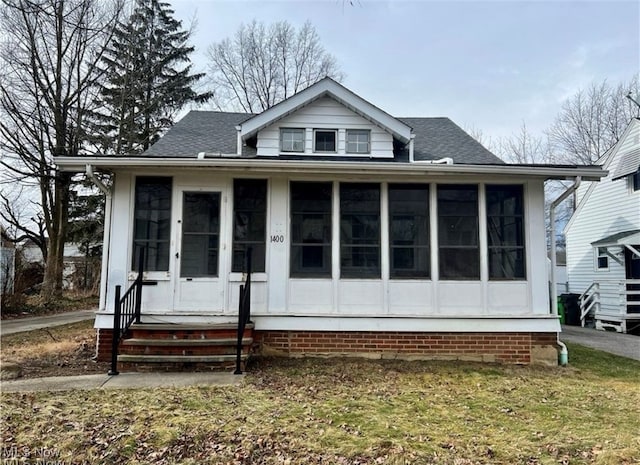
point(561, 310)
point(571, 305)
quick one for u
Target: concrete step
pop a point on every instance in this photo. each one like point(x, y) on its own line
point(161, 359)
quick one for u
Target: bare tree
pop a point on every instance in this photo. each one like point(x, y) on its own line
point(593, 120)
point(525, 148)
point(261, 66)
point(48, 78)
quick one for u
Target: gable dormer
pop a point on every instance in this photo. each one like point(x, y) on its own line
point(323, 120)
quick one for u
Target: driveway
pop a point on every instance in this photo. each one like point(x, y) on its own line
point(29, 324)
point(625, 345)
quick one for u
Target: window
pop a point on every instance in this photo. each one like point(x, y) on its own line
point(409, 230)
point(459, 252)
point(505, 231)
point(635, 181)
point(310, 229)
point(249, 223)
point(200, 234)
point(292, 140)
point(358, 141)
point(359, 230)
point(602, 259)
point(152, 222)
point(324, 140)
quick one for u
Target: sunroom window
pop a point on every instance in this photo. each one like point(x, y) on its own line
point(249, 223)
point(459, 252)
point(505, 231)
point(324, 140)
point(359, 230)
point(152, 222)
point(358, 141)
point(310, 229)
point(409, 230)
point(292, 139)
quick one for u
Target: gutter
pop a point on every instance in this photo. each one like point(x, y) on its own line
point(563, 355)
point(106, 237)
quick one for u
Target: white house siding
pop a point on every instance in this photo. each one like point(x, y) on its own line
point(325, 113)
point(611, 207)
point(275, 297)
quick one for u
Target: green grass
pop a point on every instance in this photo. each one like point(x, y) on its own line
point(348, 412)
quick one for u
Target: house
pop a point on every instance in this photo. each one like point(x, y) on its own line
point(603, 239)
point(371, 235)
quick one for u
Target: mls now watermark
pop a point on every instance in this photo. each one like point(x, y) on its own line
point(16, 455)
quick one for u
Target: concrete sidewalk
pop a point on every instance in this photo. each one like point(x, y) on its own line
point(625, 345)
point(29, 324)
point(121, 381)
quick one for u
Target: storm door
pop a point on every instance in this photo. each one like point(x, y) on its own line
point(199, 286)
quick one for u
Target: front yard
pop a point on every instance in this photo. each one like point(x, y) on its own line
point(347, 412)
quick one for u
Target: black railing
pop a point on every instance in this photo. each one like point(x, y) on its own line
point(126, 312)
point(244, 313)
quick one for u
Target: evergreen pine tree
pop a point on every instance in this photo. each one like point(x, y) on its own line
point(148, 79)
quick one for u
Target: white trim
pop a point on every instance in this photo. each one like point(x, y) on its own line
point(433, 324)
point(326, 87)
point(588, 173)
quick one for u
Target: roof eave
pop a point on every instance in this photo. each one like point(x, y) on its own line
point(78, 164)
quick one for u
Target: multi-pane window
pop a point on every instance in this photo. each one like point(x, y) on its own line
point(200, 234)
point(505, 231)
point(324, 140)
point(602, 259)
point(359, 230)
point(249, 223)
point(358, 141)
point(409, 230)
point(152, 222)
point(292, 139)
point(459, 252)
point(310, 229)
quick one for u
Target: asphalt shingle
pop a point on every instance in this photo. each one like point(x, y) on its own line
point(214, 132)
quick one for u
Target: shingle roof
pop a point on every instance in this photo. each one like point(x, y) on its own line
point(214, 132)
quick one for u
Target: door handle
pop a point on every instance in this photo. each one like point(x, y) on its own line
point(177, 255)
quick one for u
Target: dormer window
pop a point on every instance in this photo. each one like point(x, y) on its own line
point(358, 141)
point(292, 139)
point(324, 141)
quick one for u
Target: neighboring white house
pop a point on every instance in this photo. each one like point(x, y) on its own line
point(603, 238)
point(370, 233)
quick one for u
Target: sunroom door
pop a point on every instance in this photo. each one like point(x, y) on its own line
point(199, 283)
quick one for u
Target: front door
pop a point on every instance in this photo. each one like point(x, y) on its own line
point(199, 267)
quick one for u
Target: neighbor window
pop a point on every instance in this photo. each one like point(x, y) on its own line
point(324, 140)
point(152, 222)
point(635, 181)
point(358, 141)
point(409, 230)
point(292, 139)
point(310, 229)
point(602, 259)
point(459, 252)
point(505, 231)
point(249, 223)
point(359, 230)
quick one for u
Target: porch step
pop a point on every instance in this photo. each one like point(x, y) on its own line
point(178, 347)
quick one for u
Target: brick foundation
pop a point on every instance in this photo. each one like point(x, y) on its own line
point(104, 340)
point(512, 348)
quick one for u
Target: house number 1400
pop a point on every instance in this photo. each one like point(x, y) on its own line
point(277, 238)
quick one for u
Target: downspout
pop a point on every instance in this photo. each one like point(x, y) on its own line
point(563, 355)
point(106, 238)
point(238, 140)
point(411, 159)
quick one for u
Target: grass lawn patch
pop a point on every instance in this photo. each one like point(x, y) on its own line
point(345, 411)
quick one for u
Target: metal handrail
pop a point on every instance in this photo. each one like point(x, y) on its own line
point(244, 312)
point(126, 312)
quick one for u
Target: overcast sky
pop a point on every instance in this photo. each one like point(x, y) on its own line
point(487, 65)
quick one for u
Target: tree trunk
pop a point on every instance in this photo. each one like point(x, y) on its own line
point(54, 266)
